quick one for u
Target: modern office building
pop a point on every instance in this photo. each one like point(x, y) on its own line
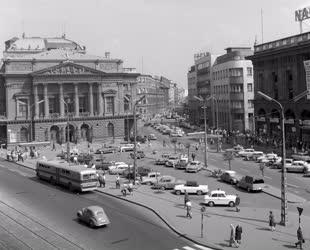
point(232, 86)
point(280, 73)
point(45, 81)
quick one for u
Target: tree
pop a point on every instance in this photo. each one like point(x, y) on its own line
point(229, 156)
point(174, 142)
point(188, 146)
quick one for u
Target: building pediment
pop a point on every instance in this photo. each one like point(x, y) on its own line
point(67, 68)
point(109, 92)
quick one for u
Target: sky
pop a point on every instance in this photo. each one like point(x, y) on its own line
point(158, 37)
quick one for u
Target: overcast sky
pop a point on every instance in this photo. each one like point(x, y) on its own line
point(163, 34)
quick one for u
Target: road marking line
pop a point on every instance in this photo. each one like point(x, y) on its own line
point(202, 247)
point(291, 185)
point(189, 248)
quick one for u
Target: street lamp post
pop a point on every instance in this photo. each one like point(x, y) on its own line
point(135, 138)
point(283, 171)
point(205, 125)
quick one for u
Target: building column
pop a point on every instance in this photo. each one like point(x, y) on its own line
point(91, 99)
point(61, 100)
point(46, 104)
point(100, 100)
point(120, 98)
point(76, 99)
point(36, 100)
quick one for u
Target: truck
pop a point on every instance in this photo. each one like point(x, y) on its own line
point(219, 197)
point(191, 187)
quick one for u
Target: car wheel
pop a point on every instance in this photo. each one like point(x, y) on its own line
point(148, 183)
point(248, 189)
point(210, 203)
point(91, 224)
point(231, 182)
point(178, 192)
point(163, 188)
point(70, 187)
point(231, 204)
point(199, 192)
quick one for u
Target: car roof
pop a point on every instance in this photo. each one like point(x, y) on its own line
point(95, 208)
point(230, 172)
point(217, 191)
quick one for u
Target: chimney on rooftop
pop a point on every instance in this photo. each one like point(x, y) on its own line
point(107, 54)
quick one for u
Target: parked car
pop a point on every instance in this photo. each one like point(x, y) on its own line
point(297, 167)
point(182, 163)
point(160, 161)
point(167, 182)
point(103, 164)
point(191, 187)
point(94, 216)
point(118, 168)
point(141, 171)
point(219, 197)
point(251, 183)
point(151, 178)
point(230, 176)
point(254, 156)
point(172, 161)
point(106, 150)
point(193, 167)
point(152, 137)
point(246, 152)
point(139, 154)
point(301, 156)
point(139, 138)
point(126, 147)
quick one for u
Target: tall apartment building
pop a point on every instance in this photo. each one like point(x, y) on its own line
point(232, 86)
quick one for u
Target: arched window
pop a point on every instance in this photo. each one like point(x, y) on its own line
point(110, 130)
point(23, 134)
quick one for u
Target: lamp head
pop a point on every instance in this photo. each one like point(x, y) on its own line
point(268, 98)
point(198, 98)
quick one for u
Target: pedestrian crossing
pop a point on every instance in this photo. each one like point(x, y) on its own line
point(193, 247)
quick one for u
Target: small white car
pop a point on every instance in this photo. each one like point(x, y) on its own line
point(246, 152)
point(151, 178)
point(297, 167)
point(191, 187)
point(127, 147)
point(172, 161)
point(219, 197)
point(193, 167)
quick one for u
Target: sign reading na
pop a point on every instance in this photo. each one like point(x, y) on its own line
point(302, 14)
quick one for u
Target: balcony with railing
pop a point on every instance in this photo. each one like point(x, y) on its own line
point(236, 80)
point(237, 96)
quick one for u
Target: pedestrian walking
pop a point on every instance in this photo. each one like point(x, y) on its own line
point(262, 168)
point(232, 236)
point(238, 234)
point(193, 156)
point(164, 143)
point(102, 180)
point(54, 146)
point(272, 223)
point(130, 188)
point(186, 198)
point(300, 238)
point(237, 203)
point(117, 182)
point(188, 209)
point(124, 190)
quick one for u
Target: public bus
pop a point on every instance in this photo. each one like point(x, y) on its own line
point(74, 177)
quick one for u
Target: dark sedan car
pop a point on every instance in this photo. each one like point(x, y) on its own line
point(94, 216)
point(230, 177)
point(139, 155)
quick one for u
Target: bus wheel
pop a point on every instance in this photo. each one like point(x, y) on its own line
point(70, 187)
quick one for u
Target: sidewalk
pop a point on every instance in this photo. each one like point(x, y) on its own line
point(216, 220)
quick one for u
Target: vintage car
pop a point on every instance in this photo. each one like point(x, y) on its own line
point(219, 197)
point(94, 216)
point(150, 178)
point(193, 167)
point(297, 167)
point(172, 161)
point(251, 183)
point(230, 176)
point(167, 182)
point(191, 187)
point(139, 154)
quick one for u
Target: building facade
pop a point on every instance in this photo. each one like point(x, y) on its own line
point(232, 86)
point(279, 72)
point(155, 93)
point(47, 81)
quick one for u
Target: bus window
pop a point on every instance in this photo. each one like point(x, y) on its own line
point(89, 176)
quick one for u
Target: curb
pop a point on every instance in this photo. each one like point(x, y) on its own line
point(159, 216)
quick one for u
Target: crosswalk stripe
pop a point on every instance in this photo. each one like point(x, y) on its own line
point(189, 248)
point(202, 247)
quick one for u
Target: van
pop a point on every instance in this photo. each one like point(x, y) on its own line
point(251, 183)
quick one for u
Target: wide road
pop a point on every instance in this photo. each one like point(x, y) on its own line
point(296, 183)
point(131, 227)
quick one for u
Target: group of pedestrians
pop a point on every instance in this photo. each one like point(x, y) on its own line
point(235, 235)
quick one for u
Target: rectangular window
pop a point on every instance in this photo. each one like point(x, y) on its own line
point(51, 105)
point(250, 87)
point(22, 107)
point(110, 104)
point(82, 104)
point(250, 104)
point(249, 71)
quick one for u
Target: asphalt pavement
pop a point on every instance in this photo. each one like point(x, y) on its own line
point(50, 212)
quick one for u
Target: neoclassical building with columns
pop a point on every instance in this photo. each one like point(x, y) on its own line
point(48, 83)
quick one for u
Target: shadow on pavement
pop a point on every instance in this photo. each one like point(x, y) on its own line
point(263, 228)
point(182, 216)
point(290, 246)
